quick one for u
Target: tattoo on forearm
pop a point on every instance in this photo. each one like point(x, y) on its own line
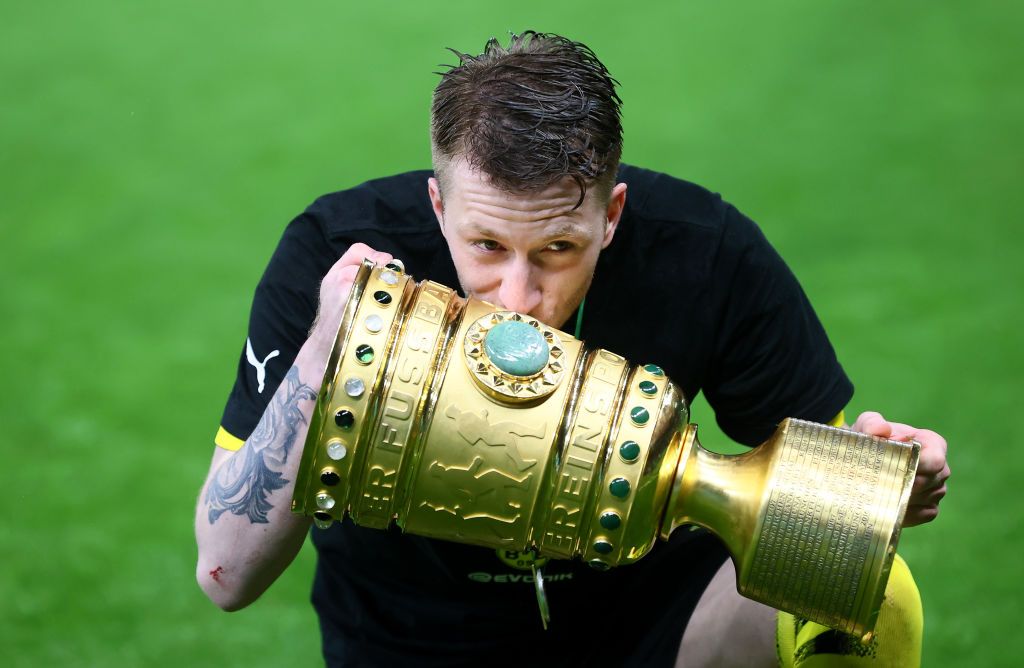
point(244, 483)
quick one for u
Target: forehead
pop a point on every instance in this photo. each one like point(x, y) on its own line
point(474, 198)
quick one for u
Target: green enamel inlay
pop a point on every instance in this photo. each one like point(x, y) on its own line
point(648, 387)
point(629, 451)
point(602, 547)
point(619, 488)
point(364, 353)
point(610, 521)
point(516, 348)
point(639, 415)
point(654, 370)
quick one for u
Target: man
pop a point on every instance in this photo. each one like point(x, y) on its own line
point(527, 208)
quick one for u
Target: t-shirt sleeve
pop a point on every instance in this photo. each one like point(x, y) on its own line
point(283, 309)
point(772, 358)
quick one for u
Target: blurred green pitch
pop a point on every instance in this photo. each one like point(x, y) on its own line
point(151, 154)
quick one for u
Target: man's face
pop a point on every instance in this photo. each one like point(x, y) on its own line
point(533, 253)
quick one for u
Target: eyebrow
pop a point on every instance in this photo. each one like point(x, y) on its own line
point(563, 230)
point(569, 230)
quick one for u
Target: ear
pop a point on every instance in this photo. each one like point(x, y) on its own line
point(616, 205)
point(434, 190)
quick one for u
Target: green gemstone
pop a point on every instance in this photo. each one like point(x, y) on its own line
point(629, 451)
point(648, 387)
point(619, 488)
point(364, 353)
point(602, 547)
point(516, 348)
point(382, 297)
point(654, 370)
point(639, 415)
point(610, 521)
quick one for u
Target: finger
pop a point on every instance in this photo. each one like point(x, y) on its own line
point(344, 271)
point(873, 424)
point(334, 291)
point(902, 432)
point(932, 458)
point(340, 276)
point(929, 436)
point(358, 252)
point(930, 497)
point(932, 465)
point(347, 274)
point(925, 483)
point(920, 514)
point(378, 257)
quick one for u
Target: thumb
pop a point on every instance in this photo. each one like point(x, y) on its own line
point(873, 424)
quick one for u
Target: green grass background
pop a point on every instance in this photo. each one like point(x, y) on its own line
point(151, 153)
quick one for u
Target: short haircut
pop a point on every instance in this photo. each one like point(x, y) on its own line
point(529, 115)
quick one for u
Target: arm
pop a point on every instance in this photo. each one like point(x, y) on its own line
point(245, 531)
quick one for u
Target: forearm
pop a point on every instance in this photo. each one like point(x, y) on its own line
point(245, 531)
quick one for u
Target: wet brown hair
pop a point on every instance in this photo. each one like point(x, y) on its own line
point(529, 115)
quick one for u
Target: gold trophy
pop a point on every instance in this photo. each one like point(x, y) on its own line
point(460, 421)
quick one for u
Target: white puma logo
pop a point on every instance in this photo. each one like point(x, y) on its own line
point(261, 367)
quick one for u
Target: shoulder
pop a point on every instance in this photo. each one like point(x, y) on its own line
point(390, 204)
point(668, 219)
point(392, 214)
point(661, 198)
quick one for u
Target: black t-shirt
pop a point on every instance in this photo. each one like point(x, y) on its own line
point(688, 283)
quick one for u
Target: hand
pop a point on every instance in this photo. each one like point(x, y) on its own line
point(932, 469)
point(335, 288)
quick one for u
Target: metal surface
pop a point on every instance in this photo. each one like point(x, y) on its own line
point(584, 457)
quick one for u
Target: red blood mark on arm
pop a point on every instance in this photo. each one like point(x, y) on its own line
point(215, 574)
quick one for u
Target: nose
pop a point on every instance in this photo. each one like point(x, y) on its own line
point(519, 289)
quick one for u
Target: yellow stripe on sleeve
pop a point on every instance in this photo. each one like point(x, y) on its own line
point(225, 440)
point(839, 420)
